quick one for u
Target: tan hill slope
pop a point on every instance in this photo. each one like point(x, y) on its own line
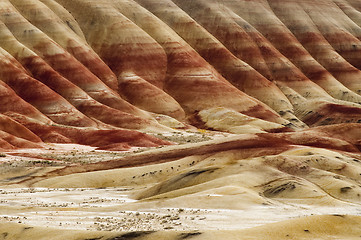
point(112, 65)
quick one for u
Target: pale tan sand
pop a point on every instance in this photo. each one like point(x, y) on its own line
point(223, 195)
point(314, 227)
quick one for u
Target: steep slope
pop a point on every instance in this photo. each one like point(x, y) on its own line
point(183, 59)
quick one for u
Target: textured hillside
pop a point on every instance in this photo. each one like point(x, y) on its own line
point(265, 94)
point(115, 65)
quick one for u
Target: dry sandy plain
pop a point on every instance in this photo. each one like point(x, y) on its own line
point(223, 195)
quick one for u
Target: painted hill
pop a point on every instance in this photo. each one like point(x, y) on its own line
point(228, 104)
point(82, 66)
